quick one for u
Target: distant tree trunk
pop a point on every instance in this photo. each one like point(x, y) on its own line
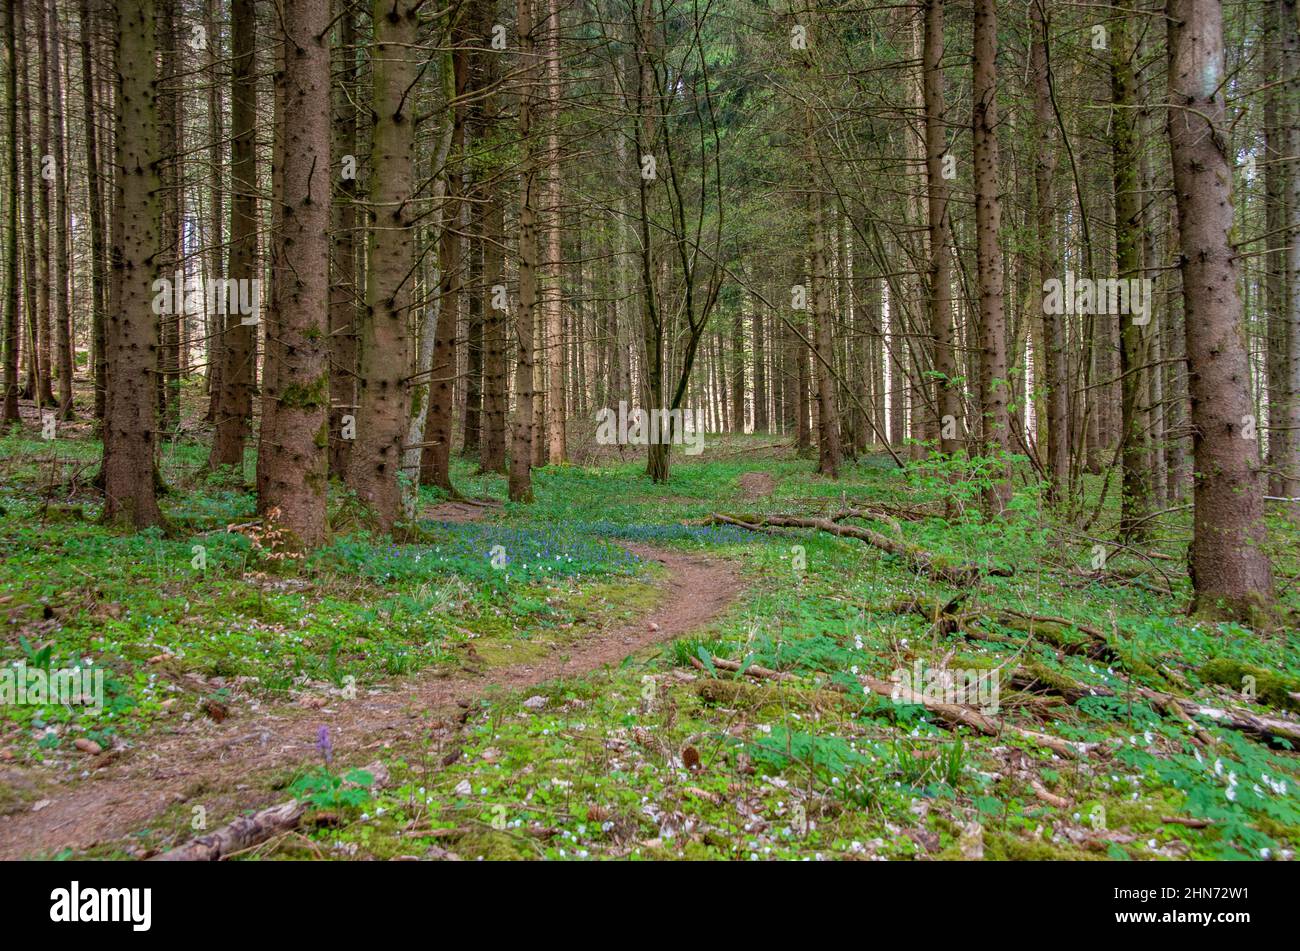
point(940, 278)
point(829, 452)
point(9, 407)
point(297, 370)
point(172, 251)
point(1126, 160)
point(1180, 476)
point(47, 171)
point(435, 464)
point(803, 385)
point(737, 373)
point(553, 301)
point(1230, 572)
point(895, 354)
point(132, 329)
point(1054, 368)
point(521, 449)
point(761, 423)
point(492, 447)
point(993, 329)
point(62, 309)
point(238, 341)
point(376, 458)
point(212, 330)
point(1275, 291)
point(31, 342)
point(1289, 411)
point(95, 201)
point(472, 421)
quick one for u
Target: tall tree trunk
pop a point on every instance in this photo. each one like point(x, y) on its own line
point(95, 201)
point(238, 339)
point(1230, 572)
point(1055, 383)
point(297, 367)
point(553, 264)
point(521, 449)
point(9, 406)
point(376, 458)
point(492, 448)
point(47, 170)
point(1288, 26)
point(829, 452)
point(213, 334)
point(435, 464)
point(172, 251)
point(344, 295)
point(759, 323)
point(62, 309)
point(1135, 492)
point(132, 329)
point(993, 330)
point(940, 298)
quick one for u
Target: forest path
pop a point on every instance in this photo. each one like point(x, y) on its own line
point(160, 771)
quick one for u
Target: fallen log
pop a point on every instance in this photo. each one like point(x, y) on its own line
point(242, 833)
point(1268, 729)
point(959, 715)
point(951, 713)
point(917, 558)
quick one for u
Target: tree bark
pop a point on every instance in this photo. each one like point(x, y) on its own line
point(376, 458)
point(988, 213)
point(521, 449)
point(132, 327)
point(9, 405)
point(297, 368)
point(1230, 573)
point(238, 339)
point(940, 277)
point(344, 293)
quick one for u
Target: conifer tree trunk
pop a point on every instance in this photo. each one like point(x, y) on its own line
point(9, 401)
point(95, 201)
point(296, 439)
point(238, 344)
point(940, 277)
point(132, 328)
point(61, 305)
point(492, 446)
point(1230, 572)
point(376, 458)
point(1135, 492)
point(521, 448)
point(994, 389)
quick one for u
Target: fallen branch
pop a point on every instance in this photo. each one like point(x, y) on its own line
point(918, 559)
point(242, 833)
point(951, 713)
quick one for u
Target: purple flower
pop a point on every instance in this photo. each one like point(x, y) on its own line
point(324, 745)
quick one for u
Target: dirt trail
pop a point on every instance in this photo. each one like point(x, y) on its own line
point(163, 770)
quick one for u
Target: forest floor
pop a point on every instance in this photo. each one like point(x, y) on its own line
point(559, 680)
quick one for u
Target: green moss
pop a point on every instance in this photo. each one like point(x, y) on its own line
point(1272, 688)
point(309, 396)
point(1000, 846)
